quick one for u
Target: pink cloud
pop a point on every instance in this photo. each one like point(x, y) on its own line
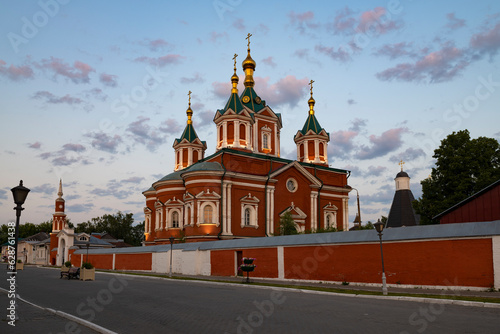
point(396, 50)
point(37, 145)
point(439, 66)
point(343, 22)
point(269, 61)
point(215, 37)
point(160, 61)
point(157, 44)
point(454, 22)
point(15, 73)
point(301, 21)
point(376, 21)
point(238, 24)
point(342, 54)
point(78, 73)
point(487, 42)
point(108, 79)
point(342, 143)
point(196, 78)
point(387, 142)
point(287, 91)
point(51, 98)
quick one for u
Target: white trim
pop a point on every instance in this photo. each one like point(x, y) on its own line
point(203, 181)
point(495, 247)
point(170, 189)
point(281, 262)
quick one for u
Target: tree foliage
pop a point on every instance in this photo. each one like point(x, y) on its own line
point(463, 167)
point(287, 225)
point(118, 225)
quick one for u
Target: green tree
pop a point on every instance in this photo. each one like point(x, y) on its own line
point(463, 167)
point(287, 225)
point(118, 225)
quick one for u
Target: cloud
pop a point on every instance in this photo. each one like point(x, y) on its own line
point(120, 189)
point(204, 119)
point(215, 37)
point(439, 66)
point(344, 22)
point(487, 42)
point(387, 142)
point(108, 80)
point(15, 73)
point(37, 145)
point(342, 143)
point(3, 194)
point(375, 171)
point(222, 89)
point(87, 207)
point(46, 189)
point(156, 45)
point(51, 98)
point(239, 25)
point(384, 195)
point(74, 147)
point(269, 61)
point(357, 124)
point(68, 155)
point(95, 93)
point(104, 142)
point(410, 154)
point(144, 134)
point(342, 53)
point(453, 22)
point(287, 91)
point(172, 127)
point(397, 50)
point(196, 78)
point(78, 73)
point(160, 61)
point(371, 22)
point(301, 21)
point(133, 179)
point(351, 102)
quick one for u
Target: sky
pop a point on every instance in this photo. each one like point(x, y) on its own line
point(95, 92)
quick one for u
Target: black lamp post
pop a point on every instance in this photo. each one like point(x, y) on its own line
point(88, 244)
point(171, 249)
point(357, 198)
point(379, 226)
point(20, 193)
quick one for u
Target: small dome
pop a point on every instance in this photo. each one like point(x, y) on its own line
point(249, 62)
point(402, 174)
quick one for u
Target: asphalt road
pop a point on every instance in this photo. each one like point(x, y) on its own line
point(132, 304)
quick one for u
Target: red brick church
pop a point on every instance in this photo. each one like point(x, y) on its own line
point(245, 187)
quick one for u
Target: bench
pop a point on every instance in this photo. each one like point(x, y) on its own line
point(73, 272)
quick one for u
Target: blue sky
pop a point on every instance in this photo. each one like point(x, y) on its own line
point(95, 92)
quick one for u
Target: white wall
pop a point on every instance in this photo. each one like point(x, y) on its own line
point(496, 260)
point(185, 263)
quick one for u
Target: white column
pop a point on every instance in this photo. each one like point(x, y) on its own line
point(248, 136)
point(181, 158)
point(114, 258)
point(276, 145)
point(316, 150)
point(306, 151)
point(256, 136)
point(496, 260)
point(236, 133)
point(229, 220)
point(190, 156)
point(281, 262)
point(346, 214)
point(325, 148)
point(224, 134)
point(271, 218)
point(224, 208)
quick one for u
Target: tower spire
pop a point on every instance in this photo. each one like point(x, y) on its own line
point(249, 66)
point(60, 192)
point(234, 78)
point(401, 163)
point(311, 101)
point(189, 111)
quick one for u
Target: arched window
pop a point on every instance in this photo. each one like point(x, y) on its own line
point(247, 217)
point(175, 219)
point(208, 215)
point(265, 141)
point(328, 221)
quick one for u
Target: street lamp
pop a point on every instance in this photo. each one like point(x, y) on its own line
point(88, 244)
point(171, 249)
point(379, 226)
point(20, 193)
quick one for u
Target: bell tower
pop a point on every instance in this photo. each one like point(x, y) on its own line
point(312, 140)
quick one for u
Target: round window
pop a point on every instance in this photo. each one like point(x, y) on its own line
point(291, 185)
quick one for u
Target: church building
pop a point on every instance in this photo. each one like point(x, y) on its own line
point(245, 187)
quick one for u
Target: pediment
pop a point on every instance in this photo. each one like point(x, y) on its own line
point(300, 169)
point(207, 195)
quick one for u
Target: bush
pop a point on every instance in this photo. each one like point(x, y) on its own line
point(67, 264)
point(19, 261)
point(87, 265)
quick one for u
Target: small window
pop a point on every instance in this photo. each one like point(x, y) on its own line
point(208, 215)
point(328, 221)
point(247, 216)
point(175, 219)
point(265, 141)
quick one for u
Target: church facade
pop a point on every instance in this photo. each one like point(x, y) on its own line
point(245, 187)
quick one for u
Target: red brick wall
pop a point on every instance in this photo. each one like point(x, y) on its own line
point(266, 260)
point(141, 261)
point(100, 261)
point(446, 262)
point(222, 262)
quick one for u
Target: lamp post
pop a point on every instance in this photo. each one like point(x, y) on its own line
point(88, 244)
point(171, 249)
point(379, 226)
point(20, 193)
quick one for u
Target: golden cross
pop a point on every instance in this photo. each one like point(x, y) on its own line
point(234, 58)
point(248, 37)
point(311, 84)
point(189, 94)
point(401, 163)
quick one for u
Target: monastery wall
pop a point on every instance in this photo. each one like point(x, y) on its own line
point(456, 256)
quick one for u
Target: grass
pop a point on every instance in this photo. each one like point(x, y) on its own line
point(328, 289)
